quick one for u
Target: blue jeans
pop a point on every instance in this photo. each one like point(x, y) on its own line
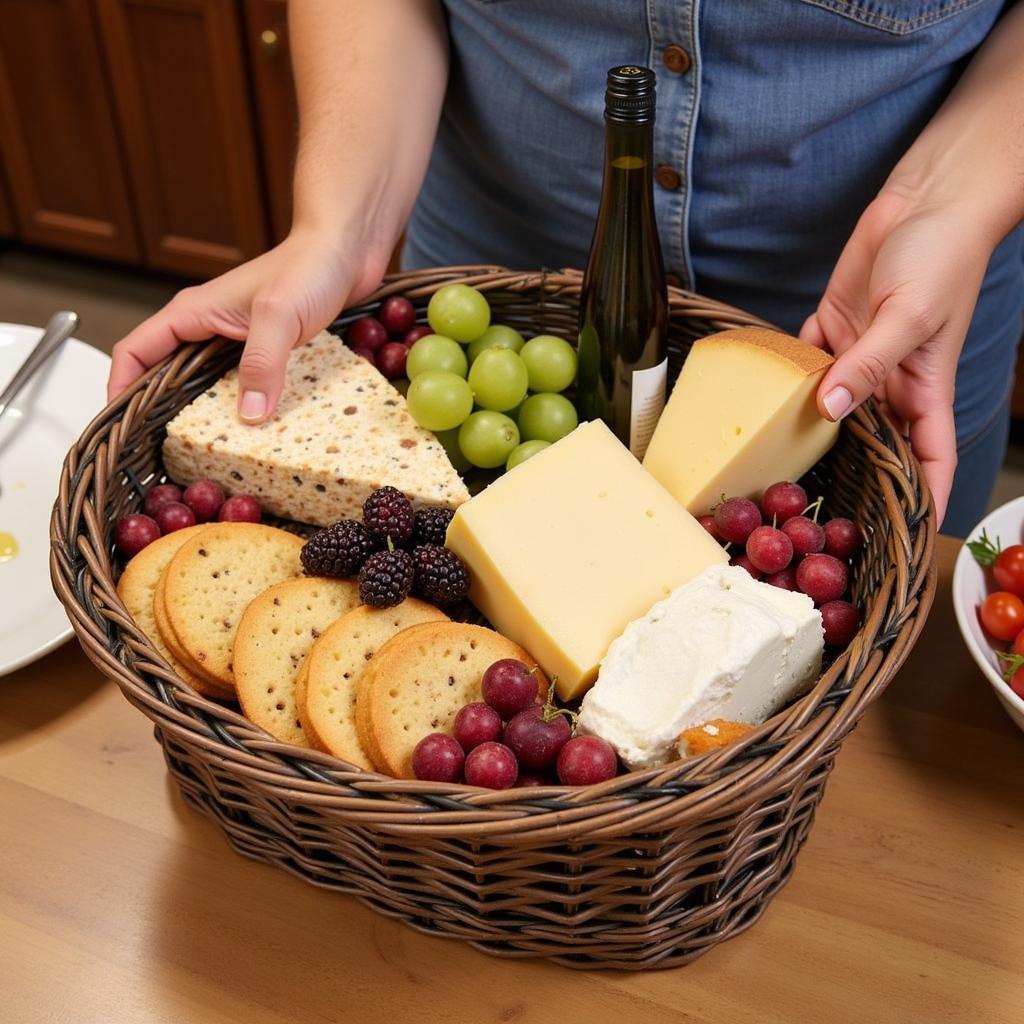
point(781, 122)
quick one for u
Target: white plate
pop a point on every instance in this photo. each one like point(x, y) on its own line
point(970, 585)
point(55, 408)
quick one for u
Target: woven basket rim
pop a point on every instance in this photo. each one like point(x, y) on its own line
point(684, 791)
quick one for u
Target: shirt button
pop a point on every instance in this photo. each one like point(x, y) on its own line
point(675, 280)
point(676, 59)
point(668, 178)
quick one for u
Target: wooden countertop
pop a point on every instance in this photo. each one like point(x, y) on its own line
point(119, 905)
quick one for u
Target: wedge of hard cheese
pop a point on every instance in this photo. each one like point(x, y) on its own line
point(741, 416)
point(570, 546)
point(340, 431)
point(723, 646)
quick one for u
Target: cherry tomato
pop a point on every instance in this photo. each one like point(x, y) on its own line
point(1009, 570)
point(1002, 615)
point(1018, 644)
point(1017, 682)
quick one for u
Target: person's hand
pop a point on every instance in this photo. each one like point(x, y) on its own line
point(272, 303)
point(895, 314)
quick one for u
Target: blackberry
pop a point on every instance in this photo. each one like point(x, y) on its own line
point(386, 578)
point(388, 513)
point(337, 550)
point(431, 525)
point(441, 576)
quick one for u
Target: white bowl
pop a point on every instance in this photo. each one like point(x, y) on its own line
point(971, 583)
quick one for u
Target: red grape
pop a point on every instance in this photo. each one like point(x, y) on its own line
point(160, 495)
point(397, 314)
point(509, 686)
point(133, 533)
point(745, 563)
point(391, 359)
point(174, 515)
point(366, 332)
point(807, 536)
point(535, 742)
point(205, 498)
point(785, 579)
point(586, 760)
point(736, 519)
point(240, 508)
point(528, 778)
point(491, 765)
point(841, 621)
point(782, 501)
point(411, 337)
point(843, 538)
point(365, 353)
point(708, 522)
point(822, 578)
point(769, 549)
point(438, 758)
point(476, 723)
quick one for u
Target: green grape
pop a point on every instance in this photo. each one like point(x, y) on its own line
point(550, 362)
point(488, 438)
point(433, 352)
point(458, 311)
point(525, 451)
point(547, 418)
point(439, 400)
point(450, 442)
point(498, 379)
point(496, 336)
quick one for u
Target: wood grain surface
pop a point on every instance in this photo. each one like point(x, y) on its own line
point(118, 905)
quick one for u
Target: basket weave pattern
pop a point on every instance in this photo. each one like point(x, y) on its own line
point(647, 870)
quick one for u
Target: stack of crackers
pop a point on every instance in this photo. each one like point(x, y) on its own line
point(228, 607)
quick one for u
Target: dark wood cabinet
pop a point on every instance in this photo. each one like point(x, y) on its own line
point(266, 34)
point(178, 80)
point(6, 214)
point(58, 141)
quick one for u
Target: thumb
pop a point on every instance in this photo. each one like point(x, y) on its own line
point(274, 330)
point(863, 368)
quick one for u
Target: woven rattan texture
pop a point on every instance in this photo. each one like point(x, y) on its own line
point(646, 870)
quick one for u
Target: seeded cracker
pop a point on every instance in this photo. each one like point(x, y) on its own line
point(340, 431)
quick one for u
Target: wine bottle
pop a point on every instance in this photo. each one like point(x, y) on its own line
point(623, 353)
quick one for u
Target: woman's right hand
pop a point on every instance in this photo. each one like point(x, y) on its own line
point(272, 303)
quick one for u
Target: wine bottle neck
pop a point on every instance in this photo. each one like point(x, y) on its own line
point(628, 156)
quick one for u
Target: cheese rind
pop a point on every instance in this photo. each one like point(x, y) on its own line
point(741, 415)
point(567, 548)
point(723, 646)
point(340, 431)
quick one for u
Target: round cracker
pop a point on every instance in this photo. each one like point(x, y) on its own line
point(417, 683)
point(274, 636)
point(336, 663)
point(211, 580)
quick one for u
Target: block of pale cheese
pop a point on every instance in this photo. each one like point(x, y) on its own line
point(741, 416)
point(722, 646)
point(570, 546)
point(340, 431)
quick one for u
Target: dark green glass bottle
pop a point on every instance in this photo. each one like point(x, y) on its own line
point(624, 303)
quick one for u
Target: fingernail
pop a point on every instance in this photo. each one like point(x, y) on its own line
point(838, 403)
point(253, 406)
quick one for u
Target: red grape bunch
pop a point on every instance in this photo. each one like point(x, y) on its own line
point(782, 543)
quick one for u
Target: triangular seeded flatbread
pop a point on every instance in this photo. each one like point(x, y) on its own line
point(340, 431)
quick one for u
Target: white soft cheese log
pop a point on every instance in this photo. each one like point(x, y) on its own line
point(742, 415)
point(721, 646)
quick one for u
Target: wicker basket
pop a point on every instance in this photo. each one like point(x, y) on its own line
point(647, 870)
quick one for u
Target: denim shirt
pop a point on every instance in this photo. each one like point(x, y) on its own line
point(777, 122)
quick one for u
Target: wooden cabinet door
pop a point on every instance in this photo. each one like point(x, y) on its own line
point(6, 215)
point(58, 144)
point(266, 31)
point(178, 80)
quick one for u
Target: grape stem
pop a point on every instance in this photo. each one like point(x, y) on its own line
point(816, 507)
point(550, 711)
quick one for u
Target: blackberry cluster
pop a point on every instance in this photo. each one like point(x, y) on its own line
point(441, 576)
point(386, 578)
point(388, 513)
point(431, 525)
point(337, 550)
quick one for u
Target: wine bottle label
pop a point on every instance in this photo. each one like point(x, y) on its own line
point(646, 403)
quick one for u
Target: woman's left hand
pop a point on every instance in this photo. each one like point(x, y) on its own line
point(895, 315)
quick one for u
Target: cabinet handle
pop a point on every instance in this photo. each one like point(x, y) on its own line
point(270, 42)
